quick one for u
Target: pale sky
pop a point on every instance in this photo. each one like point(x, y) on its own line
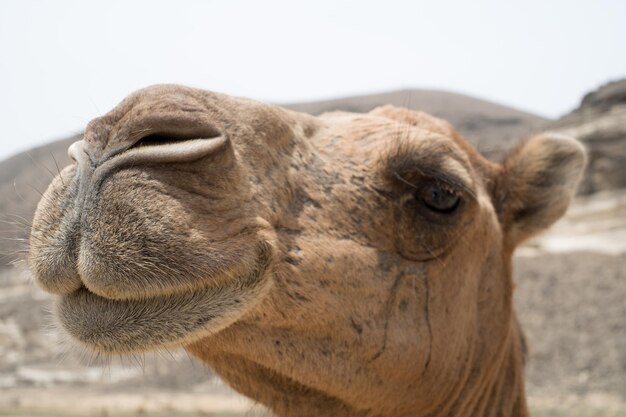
point(65, 62)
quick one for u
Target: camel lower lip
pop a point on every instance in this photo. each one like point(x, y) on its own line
point(125, 326)
point(100, 322)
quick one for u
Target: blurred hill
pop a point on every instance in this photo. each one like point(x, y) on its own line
point(570, 282)
point(600, 123)
point(488, 126)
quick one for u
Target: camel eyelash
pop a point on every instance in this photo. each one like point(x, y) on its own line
point(447, 183)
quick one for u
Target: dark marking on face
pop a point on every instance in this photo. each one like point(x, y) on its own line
point(300, 200)
point(291, 260)
point(297, 296)
point(289, 231)
point(384, 262)
point(357, 180)
point(358, 328)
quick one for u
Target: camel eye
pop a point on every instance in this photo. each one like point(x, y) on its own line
point(438, 198)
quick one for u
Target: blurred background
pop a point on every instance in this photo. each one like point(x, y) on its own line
point(498, 71)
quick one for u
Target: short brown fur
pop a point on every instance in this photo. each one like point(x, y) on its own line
point(306, 260)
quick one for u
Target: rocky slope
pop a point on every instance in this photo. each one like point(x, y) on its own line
point(600, 123)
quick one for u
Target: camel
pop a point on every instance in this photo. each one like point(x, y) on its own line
point(339, 265)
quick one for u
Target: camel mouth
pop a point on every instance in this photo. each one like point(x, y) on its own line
point(121, 326)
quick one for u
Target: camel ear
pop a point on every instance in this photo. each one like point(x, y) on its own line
point(538, 182)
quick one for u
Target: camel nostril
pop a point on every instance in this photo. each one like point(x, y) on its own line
point(160, 139)
point(157, 139)
point(76, 151)
point(179, 143)
point(172, 134)
point(163, 149)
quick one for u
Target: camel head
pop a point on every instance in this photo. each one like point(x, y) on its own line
point(346, 264)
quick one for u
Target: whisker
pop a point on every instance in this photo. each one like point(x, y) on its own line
point(139, 132)
point(14, 239)
point(36, 190)
point(15, 190)
point(18, 263)
point(40, 164)
point(137, 362)
point(408, 100)
point(19, 217)
point(19, 226)
point(170, 354)
point(93, 103)
point(14, 253)
point(191, 360)
point(56, 164)
point(14, 223)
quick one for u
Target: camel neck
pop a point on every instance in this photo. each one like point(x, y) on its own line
point(486, 390)
point(496, 390)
